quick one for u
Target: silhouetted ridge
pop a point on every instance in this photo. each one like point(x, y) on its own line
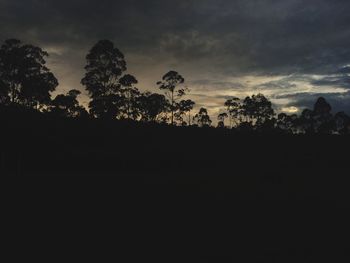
point(27, 82)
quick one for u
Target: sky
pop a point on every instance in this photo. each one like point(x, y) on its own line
point(292, 51)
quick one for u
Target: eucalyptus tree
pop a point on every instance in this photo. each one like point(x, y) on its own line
point(105, 66)
point(202, 119)
point(342, 123)
point(68, 105)
point(322, 116)
point(257, 109)
point(287, 123)
point(152, 107)
point(221, 119)
point(233, 107)
point(306, 122)
point(4, 98)
point(130, 94)
point(184, 108)
point(24, 76)
point(170, 84)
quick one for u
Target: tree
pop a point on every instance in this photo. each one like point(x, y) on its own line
point(287, 123)
point(106, 107)
point(322, 117)
point(221, 118)
point(342, 123)
point(68, 105)
point(245, 127)
point(306, 121)
point(184, 108)
point(257, 109)
point(4, 98)
point(322, 107)
point(170, 83)
point(131, 94)
point(152, 106)
point(233, 107)
point(202, 119)
point(105, 65)
point(24, 77)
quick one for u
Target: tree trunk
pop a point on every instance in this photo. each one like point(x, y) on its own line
point(128, 103)
point(172, 108)
point(13, 94)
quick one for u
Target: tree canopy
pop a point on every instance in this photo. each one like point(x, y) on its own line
point(105, 66)
point(68, 105)
point(153, 107)
point(170, 84)
point(24, 77)
point(202, 118)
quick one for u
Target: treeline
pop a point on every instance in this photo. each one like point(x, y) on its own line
point(256, 113)
point(26, 81)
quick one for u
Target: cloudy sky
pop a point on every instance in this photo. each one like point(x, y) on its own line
point(293, 51)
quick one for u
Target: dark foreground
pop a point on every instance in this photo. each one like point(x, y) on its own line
point(220, 196)
point(39, 145)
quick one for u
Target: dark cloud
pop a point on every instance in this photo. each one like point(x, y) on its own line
point(335, 81)
point(266, 36)
point(344, 70)
point(207, 85)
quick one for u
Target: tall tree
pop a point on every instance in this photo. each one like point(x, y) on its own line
point(169, 84)
point(322, 107)
point(306, 121)
point(105, 66)
point(130, 93)
point(322, 117)
point(24, 77)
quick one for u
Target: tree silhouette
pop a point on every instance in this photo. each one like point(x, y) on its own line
point(322, 107)
point(131, 94)
point(306, 121)
point(4, 98)
point(151, 107)
point(68, 105)
point(184, 108)
point(105, 65)
point(322, 117)
point(25, 79)
point(170, 83)
point(202, 119)
point(287, 123)
point(257, 109)
point(233, 107)
point(106, 107)
point(221, 118)
point(342, 123)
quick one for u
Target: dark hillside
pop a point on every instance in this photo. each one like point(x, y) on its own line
point(202, 158)
point(217, 188)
